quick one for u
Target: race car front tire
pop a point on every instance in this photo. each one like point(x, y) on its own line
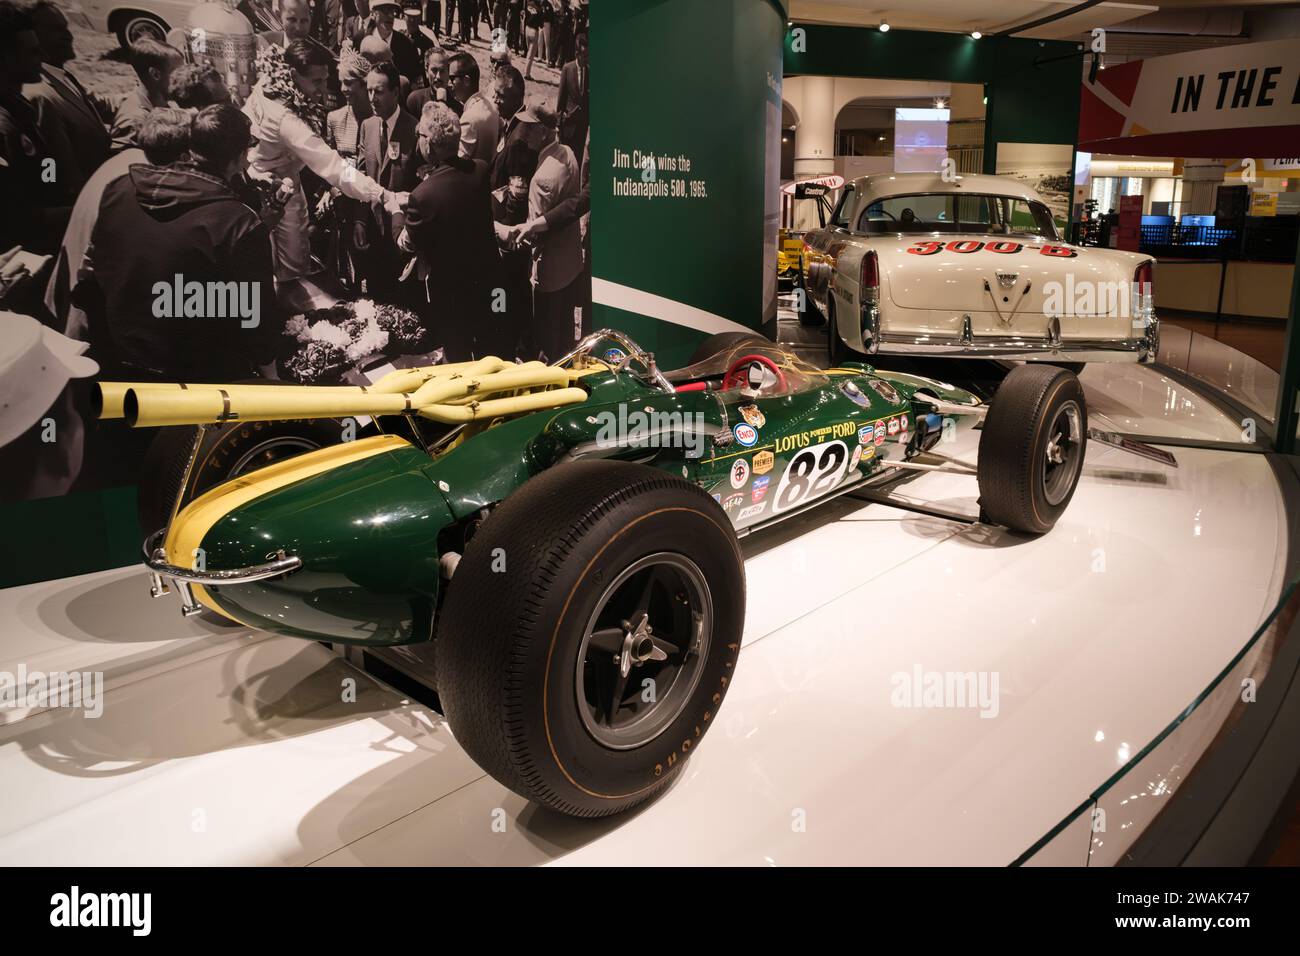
point(1032, 447)
point(589, 634)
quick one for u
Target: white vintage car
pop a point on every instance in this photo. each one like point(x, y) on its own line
point(913, 264)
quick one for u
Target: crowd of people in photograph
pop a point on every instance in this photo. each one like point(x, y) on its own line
point(393, 154)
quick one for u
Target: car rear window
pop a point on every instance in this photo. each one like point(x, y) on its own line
point(957, 212)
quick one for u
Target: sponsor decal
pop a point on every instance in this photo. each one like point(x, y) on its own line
point(753, 414)
point(857, 457)
point(866, 433)
point(880, 437)
point(885, 390)
point(739, 473)
point(615, 356)
point(764, 462)
point(893, 426)
point(760, 488)
point(751, 512)
point(814, 436)
point(812, 473)
point(867, 453)
point(735, 501)
point(747, 435)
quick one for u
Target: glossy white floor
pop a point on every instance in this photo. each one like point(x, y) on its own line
point(226, 747)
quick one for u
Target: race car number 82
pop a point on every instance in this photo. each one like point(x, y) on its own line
point(812, 472)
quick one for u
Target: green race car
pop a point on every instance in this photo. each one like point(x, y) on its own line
point(565, 535)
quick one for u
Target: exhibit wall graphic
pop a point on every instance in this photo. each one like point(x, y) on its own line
point(685, 168)
point(683, 159)
point(1231, 100)
point(1043, 167)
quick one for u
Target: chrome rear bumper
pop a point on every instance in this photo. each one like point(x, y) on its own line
point(1142, 348)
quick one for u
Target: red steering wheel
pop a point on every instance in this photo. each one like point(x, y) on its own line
point(737, 374)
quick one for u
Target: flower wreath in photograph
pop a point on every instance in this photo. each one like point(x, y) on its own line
point(275, 80)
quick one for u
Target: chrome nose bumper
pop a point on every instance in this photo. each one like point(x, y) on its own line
point(160, 572)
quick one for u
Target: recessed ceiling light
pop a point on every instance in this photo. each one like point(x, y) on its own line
point(975, 35)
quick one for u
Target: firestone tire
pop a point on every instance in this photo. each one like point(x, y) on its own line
point(519, 663)
point(1032, 448)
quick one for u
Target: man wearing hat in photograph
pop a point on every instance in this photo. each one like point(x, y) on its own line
point(406, 58)
point(42, 438)
point(423, 43)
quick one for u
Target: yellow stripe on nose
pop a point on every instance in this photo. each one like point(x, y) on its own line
point(196, 519)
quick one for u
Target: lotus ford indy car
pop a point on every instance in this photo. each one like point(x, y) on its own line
point(565, 535)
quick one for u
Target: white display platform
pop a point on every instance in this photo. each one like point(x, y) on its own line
point(224, 747)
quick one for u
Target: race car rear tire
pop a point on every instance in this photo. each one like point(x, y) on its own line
point(721, 342)
point(542, 613)
point(1032, 447)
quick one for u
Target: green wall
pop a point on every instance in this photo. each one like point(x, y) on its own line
point(697, 79)
point(71, 534)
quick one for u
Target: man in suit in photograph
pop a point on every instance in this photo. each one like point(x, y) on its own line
point(435, 72)
point(406, 57)
point(71, 121)
point(572, 102)
point(388, 147)
point(449, 225)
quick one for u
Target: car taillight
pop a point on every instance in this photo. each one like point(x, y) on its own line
point(869, 277)
point(1144, 295)
point(869, 302)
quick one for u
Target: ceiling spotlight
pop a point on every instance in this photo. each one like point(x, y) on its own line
point(940, 103)
point(884, 27)
point(975, 35)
